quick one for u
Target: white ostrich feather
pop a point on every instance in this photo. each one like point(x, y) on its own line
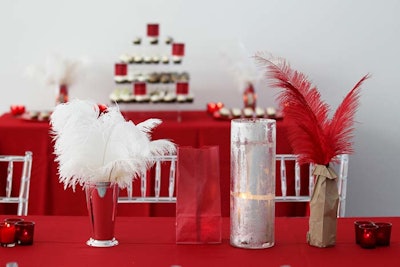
point(57, 70)
point(94, 147)
point(241, 65)
point(148, 125)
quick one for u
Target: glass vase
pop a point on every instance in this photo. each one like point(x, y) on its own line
point(252, 212)
point(61, 94)
point(250, 97)
point(102, 200)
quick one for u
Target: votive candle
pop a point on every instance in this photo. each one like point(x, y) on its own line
point(13, 221)
point(25, 232)
point(383, 233)
point(358, 231)
point(7, 234)
point(368, 237)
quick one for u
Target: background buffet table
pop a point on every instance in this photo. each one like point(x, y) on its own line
point(185, 128)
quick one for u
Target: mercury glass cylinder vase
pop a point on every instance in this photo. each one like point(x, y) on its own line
point(252, 201)
point(102, 200)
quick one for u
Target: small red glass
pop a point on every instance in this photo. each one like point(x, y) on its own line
point(368, 235)
point(17, 110)
point(383, 233)
point(182, 88)
point(139, 88)
point(25, 232)
point(358, 231)
point(178, 49)
point(212, 107)
point(178, 52)
point(120, 69)
point(7, 234)
point(13, 221)
point(153, 29)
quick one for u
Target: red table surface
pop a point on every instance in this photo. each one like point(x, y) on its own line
point(185, 128)
point(150, 241)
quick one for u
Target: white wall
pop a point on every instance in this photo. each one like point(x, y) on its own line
point(334, 42)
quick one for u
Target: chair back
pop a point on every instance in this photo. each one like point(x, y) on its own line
point(11, 196)
point(289, 168)
point(155, 186)
point(158, 184)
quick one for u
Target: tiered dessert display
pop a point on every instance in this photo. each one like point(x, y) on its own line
point(153, 72)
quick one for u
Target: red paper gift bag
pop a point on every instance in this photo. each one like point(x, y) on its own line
point(198, 205)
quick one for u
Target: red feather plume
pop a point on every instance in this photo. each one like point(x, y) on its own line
point(340, 130)
point(314, 138)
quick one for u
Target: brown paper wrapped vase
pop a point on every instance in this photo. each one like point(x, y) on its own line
point(323, 208)
point(315, 138)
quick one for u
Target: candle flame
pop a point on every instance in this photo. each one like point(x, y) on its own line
point(244, 195)
point(250, 196)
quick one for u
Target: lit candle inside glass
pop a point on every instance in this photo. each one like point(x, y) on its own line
point(252, 200)
point(368, 237)
point(25, 232)
point(358, 231)
point(7, 234)
point(13, 221)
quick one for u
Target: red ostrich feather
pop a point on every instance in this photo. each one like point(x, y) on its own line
point(313, 137)
point(340, 130)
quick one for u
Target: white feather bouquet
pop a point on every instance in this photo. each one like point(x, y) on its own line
point(241, 66)
point(57, 71)
point(95, 145)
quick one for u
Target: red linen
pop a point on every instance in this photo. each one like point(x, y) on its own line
point(195, 128)
point(145, 241)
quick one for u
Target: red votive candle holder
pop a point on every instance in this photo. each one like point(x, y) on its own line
point(182, 88)
point(17, 109)
point(7, 234)
point(383, 233)
point(24, 232)
point(13, 221)
point(178, 49)
point(139, 88)
point(212, 107)
point(358, 231)
point(152, 30)
point(120, 69)
point(368, 236)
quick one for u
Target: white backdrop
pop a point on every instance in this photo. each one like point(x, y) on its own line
point(334, 42)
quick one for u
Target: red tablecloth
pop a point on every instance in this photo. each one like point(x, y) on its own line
point(150, 241)
point(185, 128)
